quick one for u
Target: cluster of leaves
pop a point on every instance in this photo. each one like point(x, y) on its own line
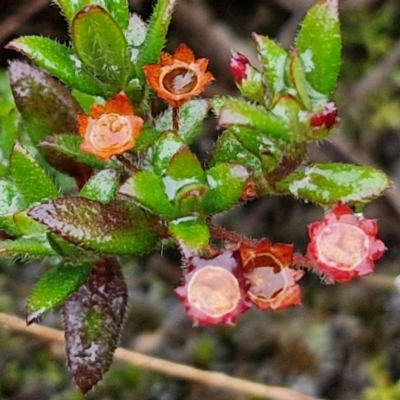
point(151, 190)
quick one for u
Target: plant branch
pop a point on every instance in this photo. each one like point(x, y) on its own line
point(166, 367)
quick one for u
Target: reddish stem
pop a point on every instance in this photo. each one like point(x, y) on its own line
point(175, 119)
point(299, 260)
point(230, 236)
point(127, 164)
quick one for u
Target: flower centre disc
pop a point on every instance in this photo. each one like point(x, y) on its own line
point(110, 129)
point(180, 81)
point(265, 284)
point(342, 246)
point(214, 291)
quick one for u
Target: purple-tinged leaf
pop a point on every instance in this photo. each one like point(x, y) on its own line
point(118, 227)
point(46, 106)
point(62, 152)
point(93, 319)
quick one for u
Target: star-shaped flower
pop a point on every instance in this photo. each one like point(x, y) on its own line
point(180, 77)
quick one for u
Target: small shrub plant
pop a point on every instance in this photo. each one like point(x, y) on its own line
point(86, 111)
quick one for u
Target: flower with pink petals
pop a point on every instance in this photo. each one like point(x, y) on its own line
point(214, 290)
point(272, 282)
point(344, 245)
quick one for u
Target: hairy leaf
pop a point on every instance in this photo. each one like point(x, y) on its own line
point(46, 106)
point(103, 186)
point(54, 288)
point(60, 61)
point(93, 319)
point(118, 227)
point(190, 232)
point(105, 54)
point(319, 42)
point(30, 178)
point(326, 184)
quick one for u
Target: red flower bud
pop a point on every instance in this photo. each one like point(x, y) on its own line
point(328, 117)
point(239, 65)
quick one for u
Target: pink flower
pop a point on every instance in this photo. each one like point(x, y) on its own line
point(344, 245)
point(214, 290)
point(272, 281)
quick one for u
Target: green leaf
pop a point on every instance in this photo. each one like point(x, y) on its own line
point(326, 184)
point(241, 113)
point(227, 183)
point(11, 199)
point(101, 45)
point(150, 191)
point(191, 118)
point(119, 9)
point(118, 227)
point(28, 226)
point(253, 86)
point(291, 111)
point(26, 247)
point(103, 186)
point(165, 148)
point(273, 60)
point(147, 138)
point(185, 165)
point(63, 152)
point(31, 180)
point(189, 197)
point(230, 149)
point(190, 232)
point(297, 78)
point(64, 248)
point(93, 319)
point(156, 35)
point(54, 288)
point(9, 133)
point(319, 41)
point(46, 106)
point(60, 61)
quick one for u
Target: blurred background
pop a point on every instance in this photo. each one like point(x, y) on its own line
point(344, 341)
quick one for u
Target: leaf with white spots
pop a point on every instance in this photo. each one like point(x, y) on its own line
point(60, 61)
point(326, 184)
point(93, 319)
